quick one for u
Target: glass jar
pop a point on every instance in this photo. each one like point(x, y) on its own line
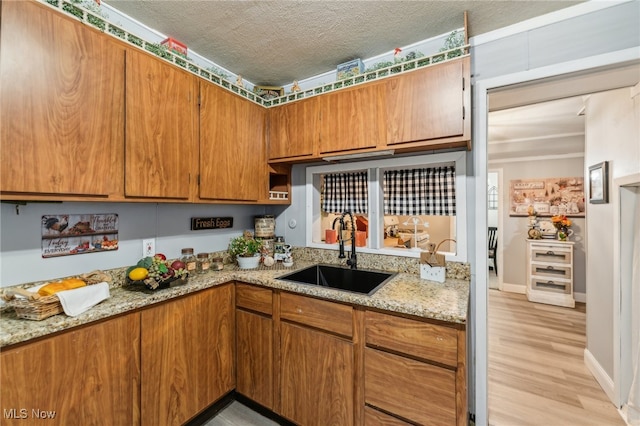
point(189, 260)
point(203, 263)
point(217, 264)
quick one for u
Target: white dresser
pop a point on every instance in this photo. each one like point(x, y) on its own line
point(550, 272)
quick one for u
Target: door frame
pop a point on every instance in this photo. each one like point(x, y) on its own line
point(479, 292)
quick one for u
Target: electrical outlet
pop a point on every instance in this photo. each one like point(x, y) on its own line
point(148, 247)
point(432, 273)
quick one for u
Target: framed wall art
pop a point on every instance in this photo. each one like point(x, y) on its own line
point(599, 183)
point(547, 196)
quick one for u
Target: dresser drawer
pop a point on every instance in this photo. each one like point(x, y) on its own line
point(322, 314)
point(551, 285)
point(415, 338)
point(545, 270)
point(414, 390)
point(254, 298)
point(550, 254)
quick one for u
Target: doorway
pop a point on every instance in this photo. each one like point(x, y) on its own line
point(558, 74)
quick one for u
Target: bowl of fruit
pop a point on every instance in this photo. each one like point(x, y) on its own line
point(156, 272)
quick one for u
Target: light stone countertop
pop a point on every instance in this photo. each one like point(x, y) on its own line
point(406, 293)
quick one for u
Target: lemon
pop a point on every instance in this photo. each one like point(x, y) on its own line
point(138, 274)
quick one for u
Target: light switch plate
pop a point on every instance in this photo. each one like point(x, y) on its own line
point(148, 247)
point(432, 273)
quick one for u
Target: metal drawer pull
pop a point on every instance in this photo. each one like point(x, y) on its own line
point(550, 282)
point(550, 267)
point(550, 253)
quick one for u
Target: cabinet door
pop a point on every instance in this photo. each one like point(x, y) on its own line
point(352, 119)
point(232, 148)
point(88, 376)
point(61, 105)
point(317, 385)
point(187, 355)
point(293, 129)
point(160, 139)
point(426, 104)
point(254, 358)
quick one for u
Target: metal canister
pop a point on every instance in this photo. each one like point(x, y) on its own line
point(265, 226)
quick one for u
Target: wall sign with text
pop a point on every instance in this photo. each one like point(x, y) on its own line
point(68, 234)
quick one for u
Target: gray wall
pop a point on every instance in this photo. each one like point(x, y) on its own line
point(613, 135)
point(514, 234)
point(20, 238)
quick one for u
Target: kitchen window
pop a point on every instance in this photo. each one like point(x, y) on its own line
point(400, 203)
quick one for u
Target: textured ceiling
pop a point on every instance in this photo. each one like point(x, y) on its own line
point(276, 42)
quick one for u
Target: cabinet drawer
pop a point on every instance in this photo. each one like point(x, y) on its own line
point(373, 417)
point(551, 271)
point(254, 298)
point(416, 391)
point(321, 314)
point(551, 285)
point(415, 338)
point(550, 254)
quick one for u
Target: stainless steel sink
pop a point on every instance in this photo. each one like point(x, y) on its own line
point(354, 280)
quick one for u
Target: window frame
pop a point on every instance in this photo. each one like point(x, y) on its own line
point(375, 170)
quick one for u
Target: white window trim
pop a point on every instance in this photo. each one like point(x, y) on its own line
point(375, 198)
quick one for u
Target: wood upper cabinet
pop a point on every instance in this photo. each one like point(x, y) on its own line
point(429, 104)
point(88, 375)
point(187, 355)
point(61, 105)
point(352, 119)
point(161, 120)
point(293, 129)
point(233, 165)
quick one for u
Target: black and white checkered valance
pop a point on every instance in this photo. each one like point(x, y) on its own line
point(345, 192)
point(430, 191)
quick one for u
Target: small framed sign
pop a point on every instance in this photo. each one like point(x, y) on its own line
point(599, 183)
point(200, 223)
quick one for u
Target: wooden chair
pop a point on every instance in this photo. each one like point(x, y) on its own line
point(493, 247)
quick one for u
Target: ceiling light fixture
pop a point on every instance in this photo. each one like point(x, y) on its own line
point(359, 155)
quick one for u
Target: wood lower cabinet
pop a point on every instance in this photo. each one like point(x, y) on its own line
point(254, 344)
point(317, 358)
point(233, 164)
point(352, 119)
point(293, 130)
point(161, 128)
point(187, 355)
point(430, 106)
point(415, 370)
point(61, 106)
point(85, 376)
point(317, 383)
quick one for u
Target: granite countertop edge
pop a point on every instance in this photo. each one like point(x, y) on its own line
point(406, 293)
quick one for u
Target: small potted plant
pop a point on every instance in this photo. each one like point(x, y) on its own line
point(246, 250)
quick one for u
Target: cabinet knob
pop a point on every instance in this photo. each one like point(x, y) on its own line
point(299, 310)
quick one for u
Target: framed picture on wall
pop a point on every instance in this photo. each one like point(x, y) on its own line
point(599, 183)
point(547, 196)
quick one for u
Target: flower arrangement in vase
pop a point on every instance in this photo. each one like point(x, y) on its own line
point(562, 223)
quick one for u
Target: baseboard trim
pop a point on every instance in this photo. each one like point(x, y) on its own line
point(580, 297)
point(514, 288)
point(601, 376)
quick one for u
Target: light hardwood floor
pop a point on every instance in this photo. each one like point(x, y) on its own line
point(537, 374)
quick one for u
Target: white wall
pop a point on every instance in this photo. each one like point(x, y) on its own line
point(514, 233)
point(20, 236)
point(613, 135)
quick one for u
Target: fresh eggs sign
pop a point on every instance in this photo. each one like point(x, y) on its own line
point(68, 234)
point(200, 223)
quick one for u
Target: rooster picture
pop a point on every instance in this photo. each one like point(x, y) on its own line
point(55, 224)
